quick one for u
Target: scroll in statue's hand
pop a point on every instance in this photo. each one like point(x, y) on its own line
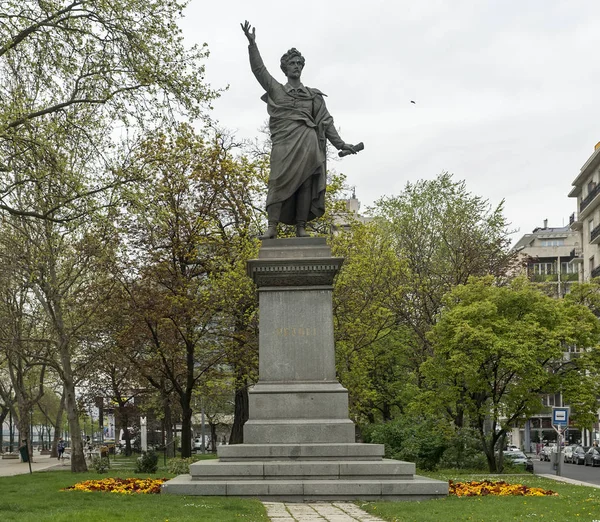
point(350, 149)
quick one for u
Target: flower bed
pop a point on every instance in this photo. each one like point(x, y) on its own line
point(500, 488)
point(127, 486)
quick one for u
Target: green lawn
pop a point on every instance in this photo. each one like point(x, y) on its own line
point(574, 503)
point(37, 498)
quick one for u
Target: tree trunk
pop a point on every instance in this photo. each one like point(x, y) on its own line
point(213, 437)
point(387, 411)
point(168, 423)
point(240, 415)
point(186, 427)
point(58, 425)
point(23, 424)
point(77, 457)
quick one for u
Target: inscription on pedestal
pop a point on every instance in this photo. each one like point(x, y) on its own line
point(300, 331)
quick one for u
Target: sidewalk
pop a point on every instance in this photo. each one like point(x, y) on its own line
point(567, 480)
point(10, 467)
point(318, 512)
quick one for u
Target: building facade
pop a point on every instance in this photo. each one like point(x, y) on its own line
point(586, 220)
point(550, 255)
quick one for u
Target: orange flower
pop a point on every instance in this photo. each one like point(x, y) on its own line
point(126, 486)
point(500, 488)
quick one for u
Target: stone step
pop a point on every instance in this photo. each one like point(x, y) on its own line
point(418, 488)
point(302, 470)
point(299, 431)
point(336, 451)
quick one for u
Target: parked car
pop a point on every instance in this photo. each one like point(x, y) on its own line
point(592, 457)
point(579, 454)
point(547, 451)
point(198, 443)
point(518, 458)
point(568, 453)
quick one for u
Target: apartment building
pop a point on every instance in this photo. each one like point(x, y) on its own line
point(550, 255)
point(586, 220)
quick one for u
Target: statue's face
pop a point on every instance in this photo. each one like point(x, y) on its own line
point(294, 67)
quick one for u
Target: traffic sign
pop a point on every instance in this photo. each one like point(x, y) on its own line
point(560, 416)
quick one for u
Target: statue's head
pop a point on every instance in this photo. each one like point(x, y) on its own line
point(292, 63)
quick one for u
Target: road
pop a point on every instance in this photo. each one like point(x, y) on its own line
point(572, 471)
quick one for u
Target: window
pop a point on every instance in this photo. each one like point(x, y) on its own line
point(544, 268)
point(590, 225)
point(567, 268)
point(553, 399)
point(553, 242)
point(592, 266)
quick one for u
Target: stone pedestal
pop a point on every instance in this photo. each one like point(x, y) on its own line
point(299, 442)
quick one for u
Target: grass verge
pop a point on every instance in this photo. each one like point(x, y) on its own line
point(37, 497)
point(573, 503)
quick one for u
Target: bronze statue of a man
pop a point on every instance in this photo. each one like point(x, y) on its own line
point(300, 125)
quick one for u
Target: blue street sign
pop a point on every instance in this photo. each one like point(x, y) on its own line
point(560, 416)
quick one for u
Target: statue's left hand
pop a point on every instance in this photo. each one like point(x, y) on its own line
point(350, 149)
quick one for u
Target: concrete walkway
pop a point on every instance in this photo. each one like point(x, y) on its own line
point(10, 467)
point(317, 512)
point(567, 480)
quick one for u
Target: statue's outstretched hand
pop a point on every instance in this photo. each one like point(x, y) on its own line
point(249, 31)
point(350, 149)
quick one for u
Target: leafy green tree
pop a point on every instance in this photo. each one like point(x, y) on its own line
point(94, 65)
point(581, 389)
point(495, 350)
point(364, 294)
point(187, 238)
point(421, 243)
point(443, 234)
point(71, 76)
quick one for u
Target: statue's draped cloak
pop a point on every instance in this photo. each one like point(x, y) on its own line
point(300, 125)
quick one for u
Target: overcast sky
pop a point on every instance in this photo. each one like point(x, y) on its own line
point(507, 92)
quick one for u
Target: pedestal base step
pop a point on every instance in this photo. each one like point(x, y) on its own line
point(324, 451)
point(418, 488)
point(303, 470)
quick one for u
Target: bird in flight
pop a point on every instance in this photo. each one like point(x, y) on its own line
point(412, 101)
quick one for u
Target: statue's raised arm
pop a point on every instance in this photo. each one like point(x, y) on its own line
point(300, 127)
point(256, 63)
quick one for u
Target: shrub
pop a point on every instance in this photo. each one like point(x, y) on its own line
point(100, 464)
point(415, 439)
point(464, 451)
point(147, 463)
point(179, 466)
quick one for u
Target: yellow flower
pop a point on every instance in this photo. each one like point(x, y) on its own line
point(127, 486)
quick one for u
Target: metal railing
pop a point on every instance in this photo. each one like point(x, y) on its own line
point(588, 199)
point(595, 233)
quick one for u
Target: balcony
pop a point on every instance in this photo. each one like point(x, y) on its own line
point(574, 222)
point(553, 278)
point(596, 272)
point(589, 198)
point(576, 255)
point(595, 235)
